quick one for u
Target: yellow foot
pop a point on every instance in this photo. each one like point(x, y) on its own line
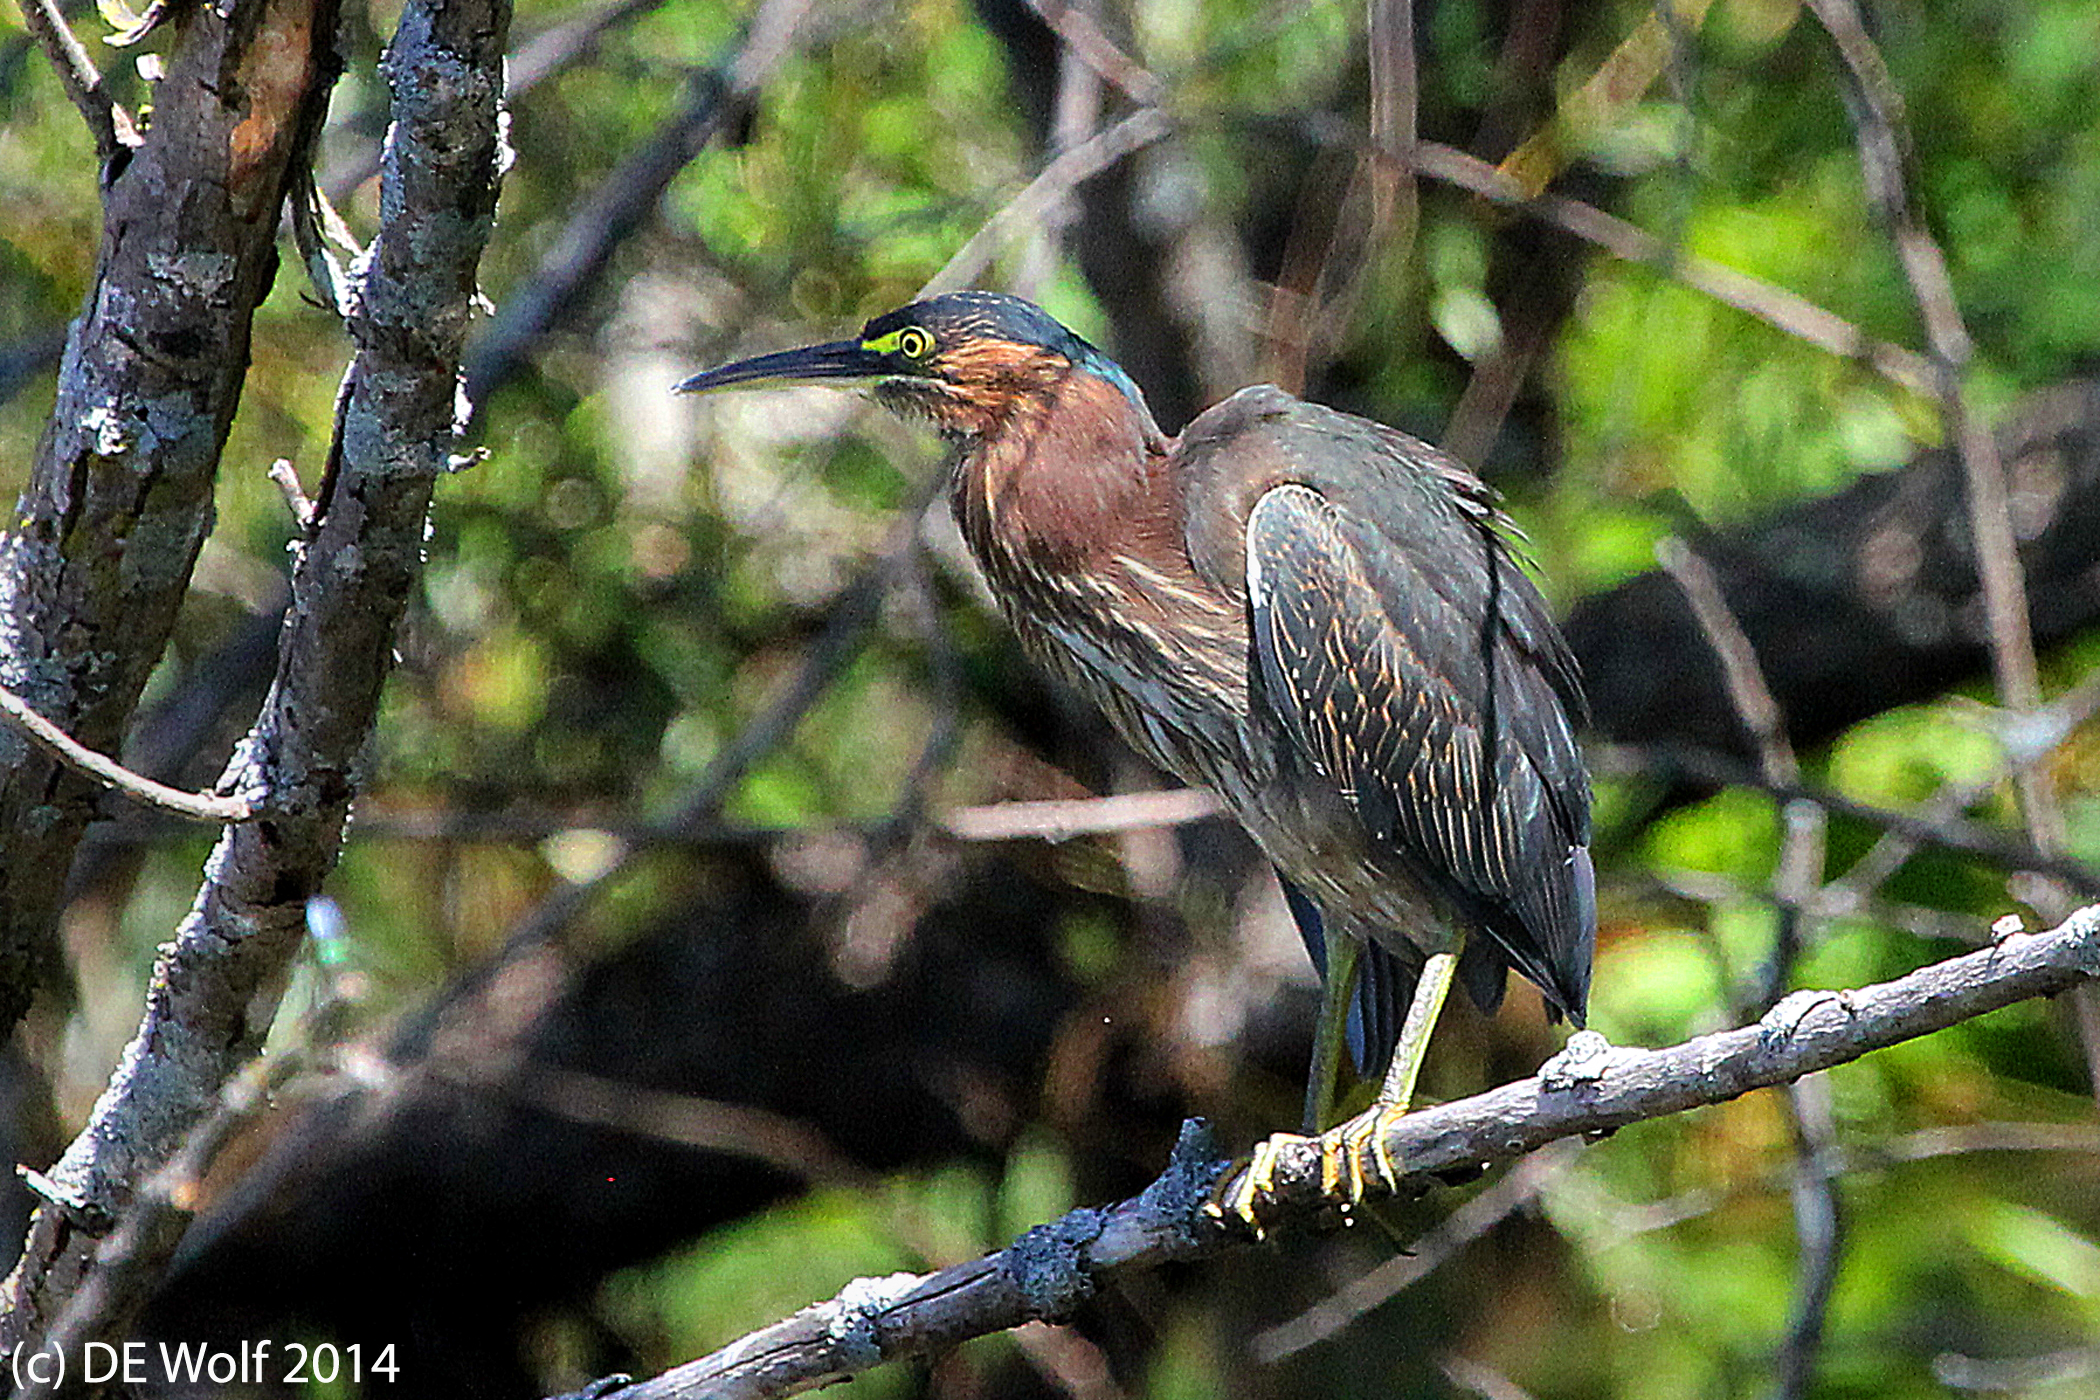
point(1353, 1156)
point(1354, 1151)
point(1252, 1187)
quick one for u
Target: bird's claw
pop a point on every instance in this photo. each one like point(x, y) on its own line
point(1353, 1156)
point(1252, 1187)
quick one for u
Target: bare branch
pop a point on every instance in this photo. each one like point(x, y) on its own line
point(1344, 228)
point(1753, 700)
point(1588, 1090)
point(1057, 180)
point(558, 47)
point(1877, 113)
point(1798, 874)
point(1941, 832)
point(209, 1000)
point(1775, 306)
point(1075, 115)
point(1797, 878)
point(1483, 1381)
point(712, 1125)
point(1819, 1225)
point(1885, 159)
point(1062, 819)
point(852, 614)
point(286, 476)
point(2022, 1375)
point(194, 806)
point(1421, 1258)
point(1083, 37)
point(1620, 81)
point(106, 119)
point(630, 195)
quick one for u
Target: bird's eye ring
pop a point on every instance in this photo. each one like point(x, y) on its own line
point(914, 343)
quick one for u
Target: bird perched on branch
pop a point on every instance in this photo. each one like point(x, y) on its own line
point(1315, 615)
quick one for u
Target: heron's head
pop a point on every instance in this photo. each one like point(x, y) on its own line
point(963, 360)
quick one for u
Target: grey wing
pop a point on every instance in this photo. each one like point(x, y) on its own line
point(1407, 675)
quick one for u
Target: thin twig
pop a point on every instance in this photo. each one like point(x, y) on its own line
point(1876, 108)
point(1052, 820)
point(1774, 305)
point(710, 1125)
point(1796, 879)
point(555, 49)
point(1075, 117)
point(301, 505)
point(1798, 874)
point(1058, 179)
point(2023, 742)
point(1073, 1363)
point(1464, 1225)
point(1884, 150)
point(853, 612)
point(1484, 1381)
point(1620, 81)
point(1373, 216)
point(106, 119)
point(945, 671)
point(131, 1259)
point(547, 54)
point(2019, 1375)
point(1342, 228)
point(100, 768)
point(1744, 678)
point(1083, 38)
point(1628, 1219)
point(630, 195)
point(1707, 766)
point(1061, 819)
point(1819, 1225)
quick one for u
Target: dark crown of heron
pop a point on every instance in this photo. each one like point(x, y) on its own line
point(965, 359)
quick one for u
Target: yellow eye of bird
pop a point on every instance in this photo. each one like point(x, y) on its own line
point(914, 343)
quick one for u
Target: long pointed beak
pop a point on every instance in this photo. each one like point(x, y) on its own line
point(842, 360)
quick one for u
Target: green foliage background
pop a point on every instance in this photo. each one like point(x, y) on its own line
point(616, 587)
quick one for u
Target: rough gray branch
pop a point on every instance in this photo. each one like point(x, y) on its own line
point(1588, 1090)
point(411, 300)
point(97, 556)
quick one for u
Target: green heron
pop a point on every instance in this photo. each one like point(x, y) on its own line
point(1311, 613)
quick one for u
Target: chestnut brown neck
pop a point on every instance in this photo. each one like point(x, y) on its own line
point(1065, 475)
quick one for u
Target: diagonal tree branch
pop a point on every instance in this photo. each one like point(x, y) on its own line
point(1797, 876)
point(714, 104)
point(1885, 157)
point(107, 121)
point(101, 768)
point(1588, 1090)
point(1133, 133)
point(398, 428)
point(96, 558)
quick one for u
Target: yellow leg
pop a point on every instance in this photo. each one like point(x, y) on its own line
point(1343, 1153)
point(1330, 1032)
point(1398, 1091)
